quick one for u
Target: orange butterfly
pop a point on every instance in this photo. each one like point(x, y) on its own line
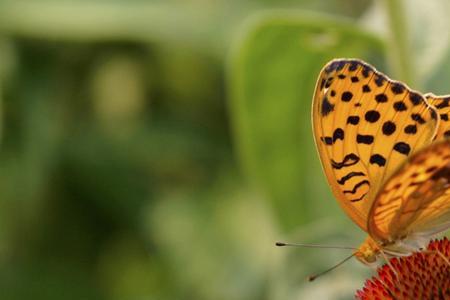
point(376, 141)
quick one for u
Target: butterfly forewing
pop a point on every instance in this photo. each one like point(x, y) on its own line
point(365, 127)
point(416, 199)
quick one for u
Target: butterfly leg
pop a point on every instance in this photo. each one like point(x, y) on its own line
point(389, 263)
point(380, 278)
point(443, 257)
point(447, 261)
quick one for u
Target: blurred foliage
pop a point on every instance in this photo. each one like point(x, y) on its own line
point(157, 149)
point(271, 112)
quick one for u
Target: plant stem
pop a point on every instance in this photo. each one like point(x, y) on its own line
point(399, 50)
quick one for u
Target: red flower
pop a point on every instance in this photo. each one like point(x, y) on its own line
point(422, 275)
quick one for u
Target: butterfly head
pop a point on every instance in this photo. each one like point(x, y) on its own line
point(368, 252)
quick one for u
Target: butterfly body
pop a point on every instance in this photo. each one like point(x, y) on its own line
point(368, 251)
point(384, 153)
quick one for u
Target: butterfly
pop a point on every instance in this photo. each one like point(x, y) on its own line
point(386, 156)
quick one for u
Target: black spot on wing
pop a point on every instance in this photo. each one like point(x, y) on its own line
point(335, 65)
point(400, 106)
point(328, 140)
point(442, 173)
point(364, 139)
point(415, 98)
point(327, 106)
point(322, 83)
point(402, 148)
point(431, 169)
point(444, 117)
point(418, 118)
point(346, 96)
point(353, 65)
point(410, 129)
point(381, 98)
point(447, 133)
point(354, 120)
point(378, 160)
point(388, 128)
point(433, 114)
point(413, 183)
point(366, 71)
point(372, 116)
point(338, 134)
point(443, 104)
point(340, 65)
point(366, 88)
point(379, 80)
point(397, 88)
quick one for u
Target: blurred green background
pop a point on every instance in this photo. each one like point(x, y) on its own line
point(158, 149)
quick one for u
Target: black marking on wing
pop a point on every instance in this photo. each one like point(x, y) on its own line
point(413, 183)
point(353, 65)
point(335, 65)
point(443, 104)
point(387, 208)
point(379, 80)
point(402, 147)
point(354, 120)
point(400, 106)
point(366, 71)
point(338, 134)
point(364, 139)
point(358, 199)
point(433, 114)
point(348, 176)
point(442, 173)
point(355, 188)
point(418, 118)
point(328, 140)
point(447, 133)
point(397, 88)
point(327, 106)
point(415, 98)
point(378, 159)
point(322, 84)
point(349, 160)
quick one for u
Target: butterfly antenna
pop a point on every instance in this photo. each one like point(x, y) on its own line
point(313, 277)
point(281, 244)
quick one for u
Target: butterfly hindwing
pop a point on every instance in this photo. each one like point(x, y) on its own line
point(365, 127)
point(416, 199)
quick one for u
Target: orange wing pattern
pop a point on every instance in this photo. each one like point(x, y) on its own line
point(365, 126)
point(416, 200)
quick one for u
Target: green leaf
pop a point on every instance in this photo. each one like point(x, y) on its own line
point(273, 70)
